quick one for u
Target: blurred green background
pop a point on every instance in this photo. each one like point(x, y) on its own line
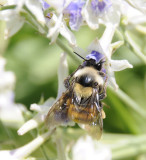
point(35, 64)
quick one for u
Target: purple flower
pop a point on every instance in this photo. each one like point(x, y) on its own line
point(45, 5)
point(100, 6)
point(74, 12)
point(95, 55)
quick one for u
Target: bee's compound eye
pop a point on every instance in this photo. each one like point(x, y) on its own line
point(85, 81)
point(95, 84)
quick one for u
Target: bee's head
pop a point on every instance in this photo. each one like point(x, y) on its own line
point(94, 59)
point(92, 63)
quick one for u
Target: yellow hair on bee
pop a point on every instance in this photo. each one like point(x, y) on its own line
point(82, 91)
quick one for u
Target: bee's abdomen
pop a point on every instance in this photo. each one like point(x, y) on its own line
point(80, 114)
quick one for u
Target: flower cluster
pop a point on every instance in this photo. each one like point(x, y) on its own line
point(64, 17)
point(7, 104)
point(53, 18)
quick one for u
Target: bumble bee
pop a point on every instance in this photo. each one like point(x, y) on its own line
point(81, 102)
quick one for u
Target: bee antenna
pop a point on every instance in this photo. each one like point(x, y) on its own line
point(80, 56)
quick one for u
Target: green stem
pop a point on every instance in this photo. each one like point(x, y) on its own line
point(60, 146)
point(27, 149)
point(7, 7)
point(8, 133)
point(130, 102)
point(34, 20)
point(134, 47)
point(126, 148)
point(29, 19)
point(44, 152)
point(67, 50)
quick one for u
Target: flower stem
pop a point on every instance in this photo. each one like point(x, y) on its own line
point(130, 102)
point(26, 150)
point(8, 132)
point(7, 7)
point(34, 20)
point(67, 50)
point(60, 146)
point(134, 47)
point(44, 153)
point(126, 148)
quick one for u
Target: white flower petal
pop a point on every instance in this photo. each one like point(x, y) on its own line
point(111, 78)
point(36, 8)
point(3, 2)
point(116, 45)
point(62, 74)
point(49, 102)
point(112, 82)
point(118, 65)
point(58, 5)
point(7, 81)
point(86, 148)
point(140, 4)
point(14, 120)
point(43, 108)
point(91, 20)
point(64, 31)
point(2, 64)
point(106, 38)
point(54, 27)
point(112, 17)
point(95, 46)
point(24, 151)
point(35, 107)
point(20, 4)
point(13, 22)
point(7, 155)
point(32, 123)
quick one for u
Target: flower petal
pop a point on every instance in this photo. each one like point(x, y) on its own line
point(58, 5)
point(91, 20)
point(42, 108)
point(54, 27)
point(31, 124)
point(116, 45)
point(95, 55)
point(111, 79)
point(62, 74)
point(13, 22)
point(118, 65)
point(86, 148)
point(64, 31)
point(95, 46)
point(74, 11)
point(24, 151)
point(35, 7)
point(106, 39)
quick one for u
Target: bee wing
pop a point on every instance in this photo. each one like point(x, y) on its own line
point(94, 129)
point(58, 114)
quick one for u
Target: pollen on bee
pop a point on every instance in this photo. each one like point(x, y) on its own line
point(103, 114)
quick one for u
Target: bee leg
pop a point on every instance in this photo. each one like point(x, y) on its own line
point(95, 99)
point(102, 91)
point(66, 81)
point(102, 95)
